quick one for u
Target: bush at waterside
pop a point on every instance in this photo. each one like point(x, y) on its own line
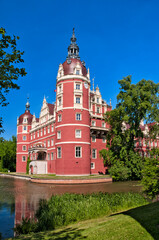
point(62, 210)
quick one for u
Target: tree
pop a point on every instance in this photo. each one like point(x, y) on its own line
point(10, 59)
point(8, 154)
point(150, 180)
point(135, 102)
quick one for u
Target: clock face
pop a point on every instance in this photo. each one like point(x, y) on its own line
point(85, 85)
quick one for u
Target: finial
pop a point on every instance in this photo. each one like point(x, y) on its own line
point(27, 105)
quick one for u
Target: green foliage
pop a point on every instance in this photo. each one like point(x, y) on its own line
point(119, 172)
point(27, 226)
point(150, 180)
point(27, 166)
point(136, 102)
point(69, 208)
point(10, 59)
point(8, 154)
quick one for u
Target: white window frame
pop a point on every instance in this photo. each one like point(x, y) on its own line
point(58, 134)
point(48, 129)
point(48, 143)
point(93, 123)
point(37, 133)
point(79, 115)
point(92, 165)
point(94, 151)
point(23, 158)
point(44, 130)
point(24, 128)
point(59, 118)
point(59, 152)
point(52, 142)
point(103, 124)
point(48, 156)
point(77, 86)
point(104, 139)
point(25, 120)
point(24, 138)
point(98, 108)
point(52, 156)
point(41, 132)
point(59, 101)
point(78, 133)
point(97, 99)
point(78, 100)
point(79, 151)
point(24, 148)
point(52, 128)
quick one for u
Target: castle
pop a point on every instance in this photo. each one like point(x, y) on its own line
point(68, 135)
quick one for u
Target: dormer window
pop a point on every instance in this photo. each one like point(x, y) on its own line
point(97, 99)
point(77, 72)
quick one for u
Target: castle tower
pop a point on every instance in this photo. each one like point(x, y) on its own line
point(72, 115)
point(23, 139)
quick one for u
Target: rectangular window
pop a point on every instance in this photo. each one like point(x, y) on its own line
point(78, 100)
point(25, 120)
point(98, 110)
point(24, 128)
point(52, 128)
point(92, 165)
point(78, 116)
point(59, 101)
point(93, 138)
point(59, 118)
point(78, 152)
point(77, 72)
point(103, 124)
point(44, 143)
point(37, 133)
point(48, 156)
point(104, 140)
point(24, 138)
point(23, 158)
point(77, 86)
point(31, 136)
point(94, 153)
point(93, 123)
point(52, 156)
point(24, 148)
point(59, 88)
point(59, 152)
point(48, 143)
point(52, 142)
point(48, 129)
point(97, 100)
point(41, 132)
point(78, 133)
point(44, 131)
point(59, 135)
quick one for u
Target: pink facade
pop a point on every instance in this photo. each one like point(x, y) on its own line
point(68, 135)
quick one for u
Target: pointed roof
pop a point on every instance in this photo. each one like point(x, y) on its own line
point(73, 49)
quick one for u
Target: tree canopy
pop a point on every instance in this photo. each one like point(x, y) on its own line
point(10, 66)
point(135, 103)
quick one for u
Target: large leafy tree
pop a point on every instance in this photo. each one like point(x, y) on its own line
point(8, 154)
point(135, 103)
point(10, 66)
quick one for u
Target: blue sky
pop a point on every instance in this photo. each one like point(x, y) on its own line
point(116, 38)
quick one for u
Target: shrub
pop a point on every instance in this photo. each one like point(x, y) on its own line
point(119, 172)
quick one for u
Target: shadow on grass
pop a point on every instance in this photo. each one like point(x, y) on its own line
point(148, 217)
point(69, 234)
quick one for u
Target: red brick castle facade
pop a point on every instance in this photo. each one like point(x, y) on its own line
point(68, 135)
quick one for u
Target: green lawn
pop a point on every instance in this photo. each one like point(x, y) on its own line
point(140, 223)
point(53, 176)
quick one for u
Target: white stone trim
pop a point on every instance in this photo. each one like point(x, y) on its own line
point(73, 76)
point(23, 153)
point(23, 142)
point(75, 142)
point(42, 138)
point(73, 124)
point(81, 108)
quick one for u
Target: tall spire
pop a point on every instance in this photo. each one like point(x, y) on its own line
point(73, 49)
point(27, 105)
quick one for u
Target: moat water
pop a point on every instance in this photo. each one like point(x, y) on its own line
point(19, 198)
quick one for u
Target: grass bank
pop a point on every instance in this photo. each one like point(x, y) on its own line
point(135, 224)
point(69, 208)
point(53, 176)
